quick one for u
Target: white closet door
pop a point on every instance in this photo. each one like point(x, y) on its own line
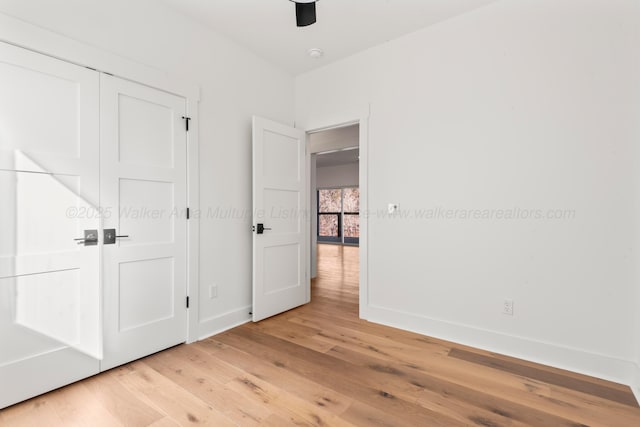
point(143, 193)
point(50, 294)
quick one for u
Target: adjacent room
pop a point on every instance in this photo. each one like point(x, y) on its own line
point(320, 212)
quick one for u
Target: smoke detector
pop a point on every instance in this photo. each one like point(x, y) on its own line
point(315, 53)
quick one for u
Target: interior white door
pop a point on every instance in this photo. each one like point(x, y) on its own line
point(50, 296)
point(280, 280)
point(143, 195)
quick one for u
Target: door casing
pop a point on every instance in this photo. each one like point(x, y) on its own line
point(362, 121)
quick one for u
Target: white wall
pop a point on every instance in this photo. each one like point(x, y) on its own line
point(232, 82)
point(337, 176)
point(529, 104)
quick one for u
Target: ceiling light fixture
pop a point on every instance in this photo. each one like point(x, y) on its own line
point(305, 12)
point(315, 53)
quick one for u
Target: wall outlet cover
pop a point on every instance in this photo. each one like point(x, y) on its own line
point(507, 307)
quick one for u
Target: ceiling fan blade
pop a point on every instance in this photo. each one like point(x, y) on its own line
point(305, 14)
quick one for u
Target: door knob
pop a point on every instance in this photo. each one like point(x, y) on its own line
point(90, 238)
point(110, 236)
point(261, 228)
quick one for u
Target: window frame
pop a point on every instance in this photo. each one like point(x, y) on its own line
point(340, 238)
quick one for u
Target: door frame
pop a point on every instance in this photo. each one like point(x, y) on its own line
point(362, 121)
point(28, 36)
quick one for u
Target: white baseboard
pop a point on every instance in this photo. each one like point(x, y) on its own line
point(48, 371)
point(635, 383)
point(571, 359)
point(575, 360)
point(217, 324)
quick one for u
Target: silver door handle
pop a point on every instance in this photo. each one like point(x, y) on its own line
point(90, 238)
point(110, 236)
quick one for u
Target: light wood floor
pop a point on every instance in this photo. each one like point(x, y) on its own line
point(320, 365)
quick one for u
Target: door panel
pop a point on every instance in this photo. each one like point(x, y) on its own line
point(134, 279)
point(143, 186)
point(49, 285)
point(49, 97)
point(146, 206)
point(284, 268)
point(279, 195)
point(142, 119)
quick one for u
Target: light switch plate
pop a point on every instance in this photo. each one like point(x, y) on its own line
point(213, 291)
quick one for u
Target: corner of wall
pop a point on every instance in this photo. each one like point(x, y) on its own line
point(223, 322)
point(635, 382)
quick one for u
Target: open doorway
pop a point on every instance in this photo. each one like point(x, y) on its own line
point(335, 211)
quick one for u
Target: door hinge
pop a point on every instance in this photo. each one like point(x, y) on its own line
point(187, 302)
point(186, 122)
point(188, 213)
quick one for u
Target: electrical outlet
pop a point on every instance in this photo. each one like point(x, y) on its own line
point(213, 291)
point(507, 307)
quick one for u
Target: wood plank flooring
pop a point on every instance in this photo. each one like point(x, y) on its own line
point(319, 365)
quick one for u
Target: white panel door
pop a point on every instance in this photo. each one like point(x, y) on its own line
point(279, 202)
point(50, 332)
point(143, 195)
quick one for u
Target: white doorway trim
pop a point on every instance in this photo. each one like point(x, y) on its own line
point(363, 121)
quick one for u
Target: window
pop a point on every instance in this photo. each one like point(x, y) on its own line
point(339, 215)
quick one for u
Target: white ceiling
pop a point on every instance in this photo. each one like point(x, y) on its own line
point(344, 27)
